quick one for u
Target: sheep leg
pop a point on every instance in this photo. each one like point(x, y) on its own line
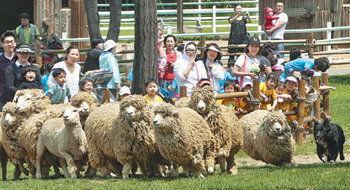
point(90, 172)
point(4, 159)
point(231, 165)
point(31, 168)
point(64, 167)
point(210, 163)
point(17, 172)
point(23, 169)
point(40, 150)
point(174, 170)
point(105, 172)
point(126, 170)
point(222, 163)
point(70, 160)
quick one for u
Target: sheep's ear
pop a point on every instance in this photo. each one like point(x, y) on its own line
point(176, 114)
point(41, 96)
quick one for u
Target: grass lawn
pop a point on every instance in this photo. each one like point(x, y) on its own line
point(310, 176)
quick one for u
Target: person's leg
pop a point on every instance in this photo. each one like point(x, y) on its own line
point(280, 47)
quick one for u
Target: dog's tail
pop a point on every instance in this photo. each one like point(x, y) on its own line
point(341, 142)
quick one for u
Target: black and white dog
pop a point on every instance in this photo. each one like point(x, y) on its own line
point(329, 139)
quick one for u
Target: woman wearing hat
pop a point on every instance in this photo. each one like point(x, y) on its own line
point(246, 61)
point(72, 69)
point(107, 60)
point(171, 56)
point(13, 73)
point(212, 64)
point(187, 72)
point(266, 57)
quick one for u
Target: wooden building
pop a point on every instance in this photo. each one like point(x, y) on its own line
point(305, 14)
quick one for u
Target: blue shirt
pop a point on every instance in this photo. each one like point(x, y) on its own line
point(108, 61)
point(58, 94)
point(227, 76)
point(298, 64)
point(44, 81)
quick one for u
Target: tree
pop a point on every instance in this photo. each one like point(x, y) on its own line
point(146, 50)
point(93, 19)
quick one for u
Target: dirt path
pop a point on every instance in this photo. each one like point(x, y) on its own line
point(299, 159)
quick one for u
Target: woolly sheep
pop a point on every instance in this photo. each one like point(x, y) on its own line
point(10, 121)
point(3, 159)
point(183, 137)
point(183, 102)
point(85, 101)
point(223, 124)
point(267, 137)
point(63, 138)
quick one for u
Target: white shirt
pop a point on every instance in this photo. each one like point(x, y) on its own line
point(249, 62)
point(279, 34)
point(215, 74)
point(72, 80)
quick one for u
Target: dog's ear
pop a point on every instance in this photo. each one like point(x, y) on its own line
point(326, 121)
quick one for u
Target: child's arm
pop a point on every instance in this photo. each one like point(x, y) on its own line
point(273, 107)
point(284, 96)
point(49, 95)
point(69, 97)
point(263, 96)
point(327, 88)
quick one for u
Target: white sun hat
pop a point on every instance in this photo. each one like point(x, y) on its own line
point(108, 45)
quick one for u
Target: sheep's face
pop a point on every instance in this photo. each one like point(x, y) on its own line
point(84, 108)
point(276, 124)
point(131, 107)
point(164, 117)
point(24, 103)
point(277, 127)
point(202, 99)
point(8, 119)
point(71, 115)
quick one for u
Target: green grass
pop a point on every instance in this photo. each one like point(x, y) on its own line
point(308, 176)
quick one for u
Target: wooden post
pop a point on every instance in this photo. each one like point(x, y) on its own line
point(326, 108)
point(65, 27)
point(39, 61)
point(317, 103)
point(256, 93)
point(180, 19)
point(105, 96)
point(300, 114)
point(183, 91)
point(311, 45)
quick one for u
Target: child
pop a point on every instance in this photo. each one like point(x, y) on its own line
point(124, 92)
point(288, 104)
point(59, 91)
point(152, 89)
point(28, 81)
point(232, 103)
point(269, 18)
point(45, 72)
point(279, 91)
point(268, 93)
point(87, 85)
point(160, 54)
point(247, 85)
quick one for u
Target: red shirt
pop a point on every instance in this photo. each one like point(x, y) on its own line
point(169, 74)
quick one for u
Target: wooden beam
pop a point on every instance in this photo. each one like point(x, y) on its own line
point(326, 107)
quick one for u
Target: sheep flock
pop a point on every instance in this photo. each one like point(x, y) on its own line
point(116, 139)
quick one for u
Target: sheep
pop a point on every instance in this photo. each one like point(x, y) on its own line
point(267, 137)
point(3, 159)
point(10, 121)
point(183, 137)
point(63, 138)
point(85, 101)
point(223, 124)
point(183, 102)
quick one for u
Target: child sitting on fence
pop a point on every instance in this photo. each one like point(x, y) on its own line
point(269, 18)
point(232, 103)
point(268, 93)
point(246, 86)
point(279, 91)
point(289, 103)
point(59, 90)
point(152, 89)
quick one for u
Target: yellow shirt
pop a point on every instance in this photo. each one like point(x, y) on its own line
point(157, 98)
point(269, 93)
point(231, 103)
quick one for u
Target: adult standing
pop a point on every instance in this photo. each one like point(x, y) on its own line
point(238, 33)
point(72, 69)
point(171, 56)
point(277, 32)
point(8, 42)
point(211, 61)
point(13, 73)
point(108, 61)
point(187, 71)
point(26, 32)
point(266, 57)
point(92, 59)
point(247, 61)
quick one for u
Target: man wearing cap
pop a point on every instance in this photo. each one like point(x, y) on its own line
point(266, 57)
point(107, 60)
point(91, 62)
point(14, 71)
point(26, 32)
point(277, 32)
point(8, 42)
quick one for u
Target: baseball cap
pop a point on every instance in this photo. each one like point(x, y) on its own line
point(124, 90)
point(24, 15)
point(109, 44)
point(274, 51)
point(254, 40)
point(277, 67)
point(268, 9)
point(292, 79)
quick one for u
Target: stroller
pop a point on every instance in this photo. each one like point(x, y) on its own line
point(100, 78)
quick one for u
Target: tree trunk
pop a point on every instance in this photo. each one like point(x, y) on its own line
point(93, 19)
point(146, 50)
point(115, 18)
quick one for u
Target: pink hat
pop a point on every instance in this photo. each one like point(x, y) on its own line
point(277, 67)
point(267, 10)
